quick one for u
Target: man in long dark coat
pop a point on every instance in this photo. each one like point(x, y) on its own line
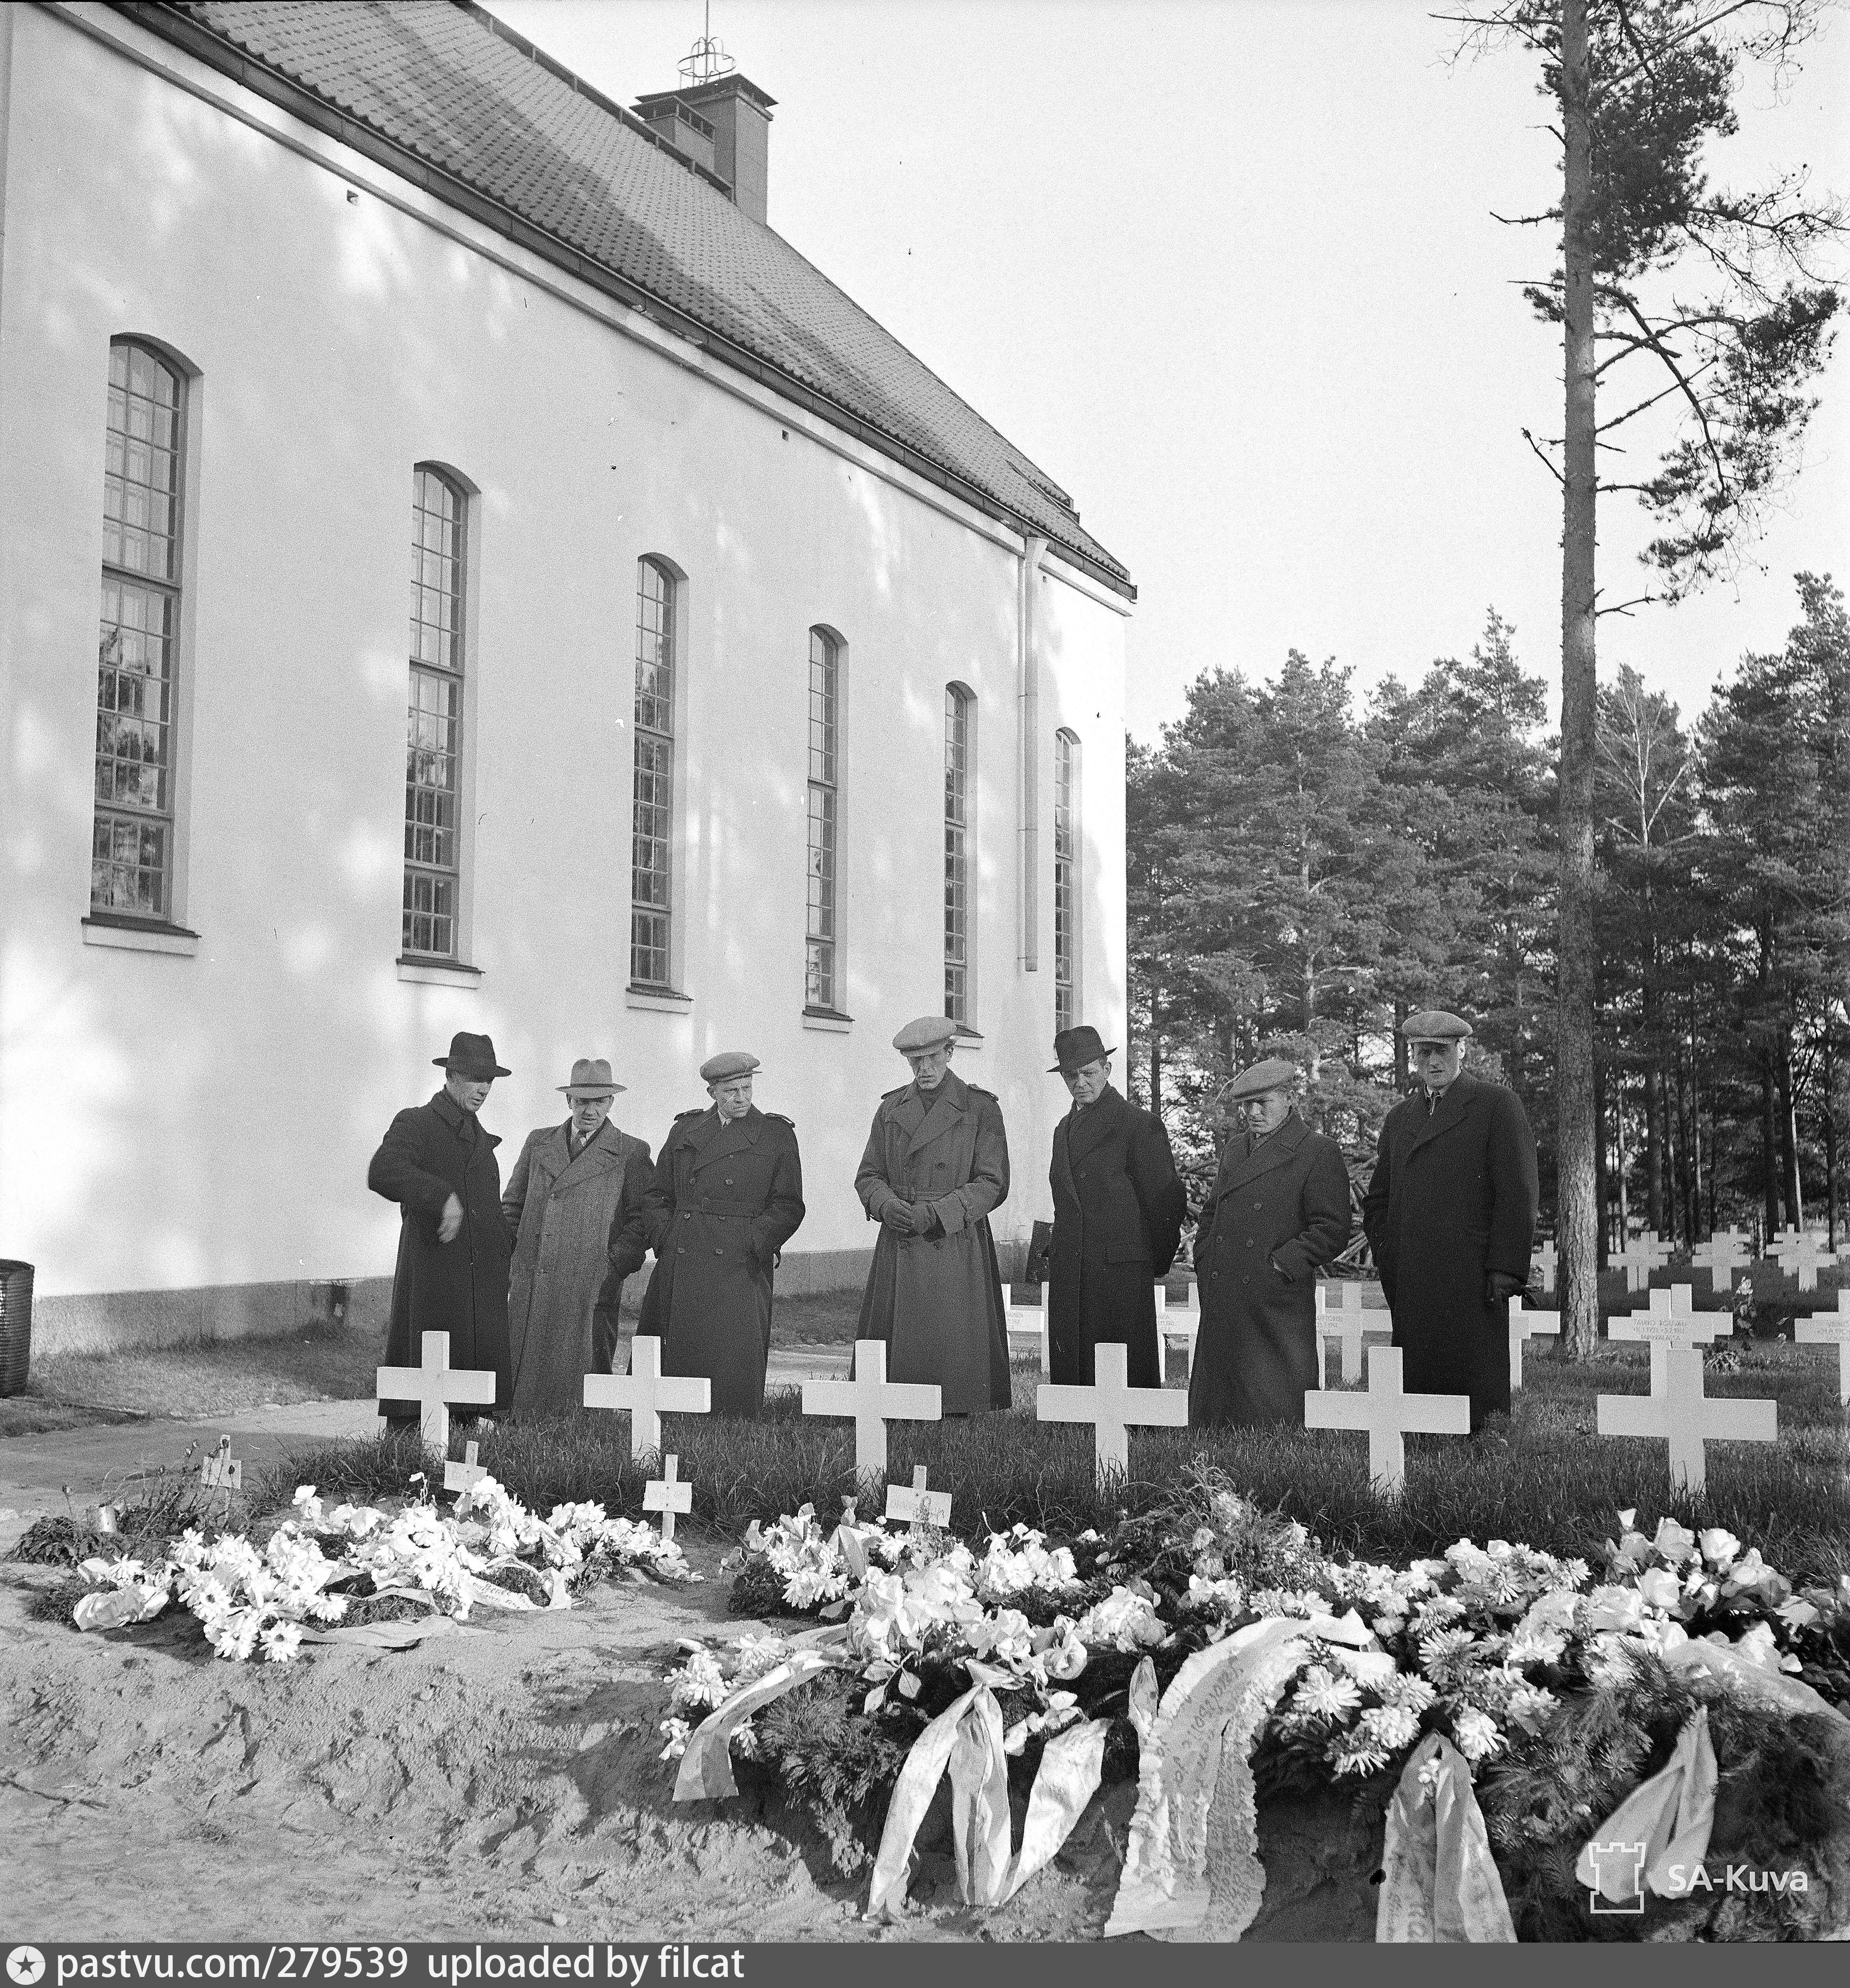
point(936, 1163)
point(1450, 1216)
point(437, 1163)
point(1278, 1211)
point(727, 1196)
point(574, 1205)
point(1118, 1209)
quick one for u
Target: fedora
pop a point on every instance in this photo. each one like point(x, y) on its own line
point(1074, 1048)
point(590, 1078)
point(472, 1056)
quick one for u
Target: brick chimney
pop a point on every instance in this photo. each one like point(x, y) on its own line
point(724, 125)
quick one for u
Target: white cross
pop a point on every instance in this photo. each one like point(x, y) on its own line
point(873, 1401)
point(1671, 1321)
point(221, 1469)
point(465, 1476)
point(1823, 1329)
point(1112, 1406)
point(646, 1394)
point(1347, 1319)
point(434, 1385)
point(667, 1495)
point(919, 1506)
point(1677, 1411)
point(1637, 1260)
point(1547, 1260)
point(1388, 1413)
point(1182, 1321)
point(1801, 1255)
point(1725, 1253)
point(1030, 1322)
point(1522, 1323)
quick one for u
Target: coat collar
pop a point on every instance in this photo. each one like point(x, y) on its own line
point(724, 1138)
point(941, 1109)
point(1450, 1111)
point(603, 1151)
point(454, 1117)
point(1099, 1120)
point(1271, 1152)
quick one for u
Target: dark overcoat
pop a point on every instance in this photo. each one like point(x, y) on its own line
point(1278, 1211)
point(577, 1224)
point(1118, 1210)
point(461, 1287)
point(1452, 1197)
point(727, 1196)
point(937, 1302)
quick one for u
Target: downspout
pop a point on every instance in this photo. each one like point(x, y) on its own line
point(1027, 708)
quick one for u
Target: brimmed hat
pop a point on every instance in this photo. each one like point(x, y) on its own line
point(1275, 1074)
point(1074, 1048)
point(1434, 1025)
point(591, 1078)
point(472, 1056)
point(728, 1064)
point(929, 1032)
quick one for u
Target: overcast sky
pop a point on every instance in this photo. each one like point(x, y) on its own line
point(1229, 273)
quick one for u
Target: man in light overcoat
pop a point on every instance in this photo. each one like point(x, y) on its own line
point(574, 1203)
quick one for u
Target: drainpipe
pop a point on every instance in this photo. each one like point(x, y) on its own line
point(1027, 705)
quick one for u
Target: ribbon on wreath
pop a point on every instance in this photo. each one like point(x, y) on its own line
point(1440, 1883)
point(706, 1767)
point(1667, 1818)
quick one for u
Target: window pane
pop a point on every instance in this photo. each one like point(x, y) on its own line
point(141, 471)
point(956, 856)
point(1065, 880)
point(652, 826)
point(433, 762)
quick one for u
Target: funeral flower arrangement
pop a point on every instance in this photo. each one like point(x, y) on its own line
point(489, 1550)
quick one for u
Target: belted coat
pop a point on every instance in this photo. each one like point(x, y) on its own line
point(727, 1196)
point(577, 1224)
point(1452, 1198)
point(1118, 1209)
point(461, 1287)
point(937, 1300)
point(1278, 1211)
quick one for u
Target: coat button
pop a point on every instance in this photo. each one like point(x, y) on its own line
point(1257, 1206)
point(680, 1252)
point(687, 1217)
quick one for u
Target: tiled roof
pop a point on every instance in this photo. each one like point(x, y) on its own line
point(585, 183)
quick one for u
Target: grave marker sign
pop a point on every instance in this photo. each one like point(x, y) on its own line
point(648, 1394)
point(1112, 1406)
point(465, 1475)
point(873, 1401)
point(1677, 1411)
point(1388, 1415)
point(919, 1506)
point(667, 1495)
point(1522, 1324)
point(1830, 1329)
point(1347, 1319)
point(433, 1385)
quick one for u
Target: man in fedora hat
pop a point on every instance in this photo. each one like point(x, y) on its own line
point(936, 1163)
point(437, 1163)
point(1278, 1211)
point(575, 1205)
point(727, 1196)
point(1118, 1209)
point(1450, 1216)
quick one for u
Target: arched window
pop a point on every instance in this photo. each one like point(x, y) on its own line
point(822, 966)
point(1065, 880)
point(132, 833)
point(959, 728)
point(433, 763)
point(652, 835)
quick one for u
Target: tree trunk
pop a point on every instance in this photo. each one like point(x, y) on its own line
point(1769, 1144)
point(1577, 1129)
point(1623, 1157)
point(1828, 1077)
point(1403, 1075)
point(1788, 1141)
point(1654, 1150)
point(1603, 1182)
point(1155, 1050)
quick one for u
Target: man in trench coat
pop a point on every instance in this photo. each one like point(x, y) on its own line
point(727, 1196)
point(936, 1163)
point(1278, 1211)
point(1450, 1215)
point(1118, 1210)
point(439, 1166)
point(574, 1206)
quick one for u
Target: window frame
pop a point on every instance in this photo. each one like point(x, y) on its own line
point(675, 622)
point(1068, 763)
point(834, 1007)
point(960, 702)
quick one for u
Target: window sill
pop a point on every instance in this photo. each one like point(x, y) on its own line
point(437, 973)
point(966, 1039)
point(135, 936)
point(659, 999)
point(828, 1021)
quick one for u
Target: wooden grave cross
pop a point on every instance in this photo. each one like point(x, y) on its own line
point(1799, 1255)
point(919, 1506)
point(1182, 1321)
point(1830, 1329)
point(433, 1385)
point(1388, 1414)
point(1671, 1322)
point(220, 1470)
point(464, 1476)
point(1113, 1407)
point(1677, 1410)
point(873, 1401)
point(1522, 1323)
point(667, 1495)
point(647, 1394)
point(1547, 1260)
point(1030, 1322)
point(1347, 1319)
point(1637, 1259)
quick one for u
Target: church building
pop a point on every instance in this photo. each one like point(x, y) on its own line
point(748, 690)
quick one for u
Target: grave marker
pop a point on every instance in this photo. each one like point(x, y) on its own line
point(1522, 1324)
point(648, 1395)
point(1388, 1415)
point(1725, 1253)
point(220, 1470)
point(1677, 1411)
point(667, 1495)
point(1668, 1323)
point(1030, 1322)
point(1800, 1256)
point(1182, 1321)
point(465, 1475)
point(433, 1385)
point(1547, 1262)
point(1830, 1329)
point(1347, 1319)
point(1637, 1259)
point(1112, 1406)
point(919, 1506)
point(873, 1401)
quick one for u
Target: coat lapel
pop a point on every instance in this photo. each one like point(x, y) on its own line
point(1097, 1123)
point(1064, 1185)
point(1270, 1153)
point(944, 1109)
point(731, 1137)
point(1449, 1112)
point(604, 1152)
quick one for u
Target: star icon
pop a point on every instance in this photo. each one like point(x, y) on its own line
point(25, 1965)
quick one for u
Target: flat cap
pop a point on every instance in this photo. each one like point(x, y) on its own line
point(728, 1064)
point(1434, 1025)
point(929, 1032)
point(1275, 1074)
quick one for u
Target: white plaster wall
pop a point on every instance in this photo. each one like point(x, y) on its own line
point(169, 1122)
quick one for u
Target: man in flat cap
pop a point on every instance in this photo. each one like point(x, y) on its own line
point(1278, 1211)
point(1118, 1209)
point(937, 1162)
point(1450, 1216)
point(728, 1194)
point(574, 1206)
point(439, 1166)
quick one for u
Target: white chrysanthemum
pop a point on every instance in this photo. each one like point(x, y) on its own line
point(1390, 1727)
point(1356, 1751)
point(1444, 1652)
point(1531, 1708)
point(1408, 1692)
point(1475, 1735)
point(1321, 1694)
point(280, 1641)
point(1124, 1619)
